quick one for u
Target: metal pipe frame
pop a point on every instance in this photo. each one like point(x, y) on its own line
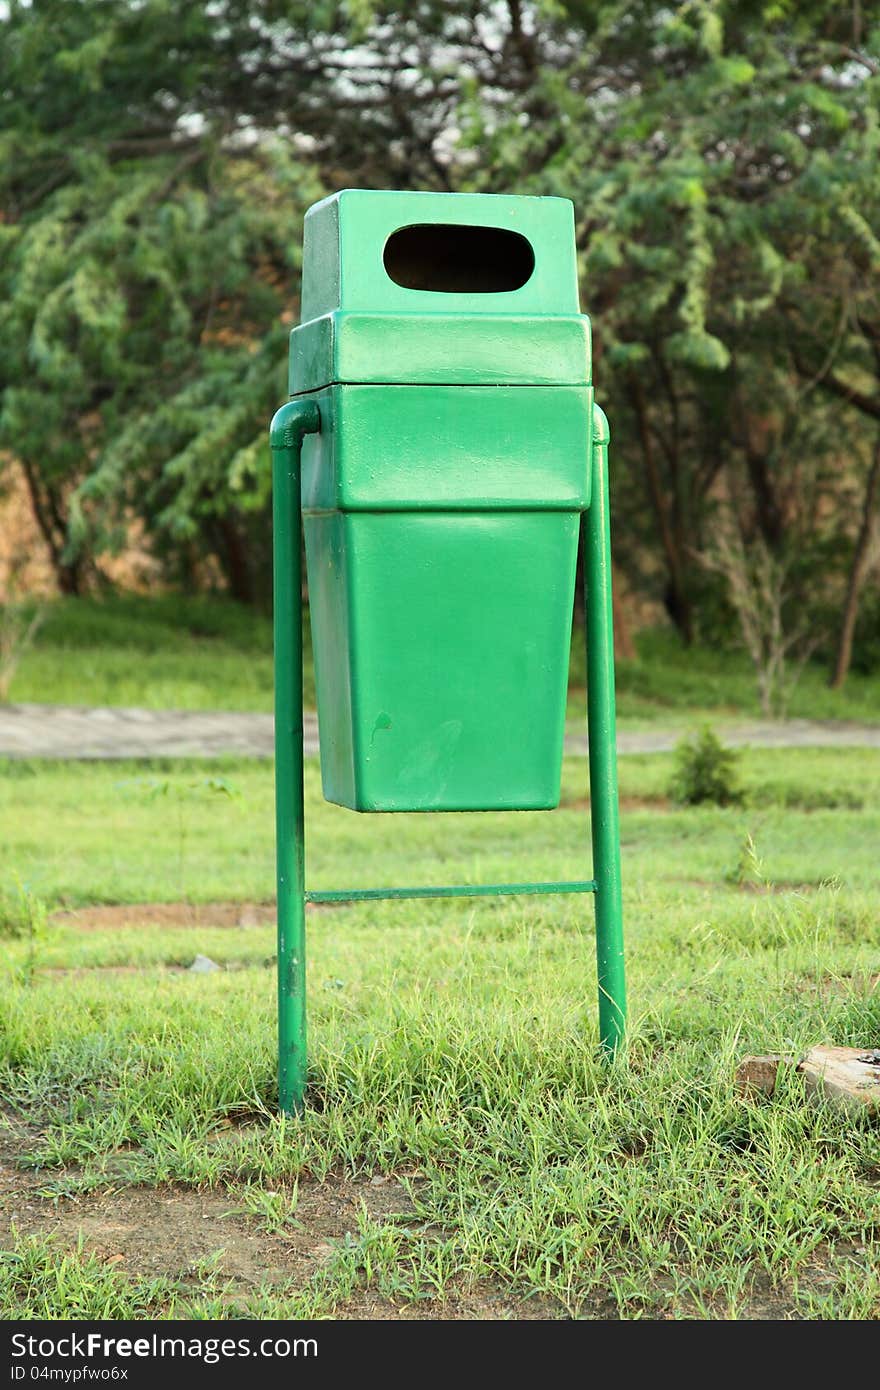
point(289, 427)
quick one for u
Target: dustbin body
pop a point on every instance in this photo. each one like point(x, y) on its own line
point(441, 498)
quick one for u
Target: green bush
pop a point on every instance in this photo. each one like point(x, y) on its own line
point(21, 915)
point(704, 771)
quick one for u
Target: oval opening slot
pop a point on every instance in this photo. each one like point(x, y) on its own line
point(446, 259)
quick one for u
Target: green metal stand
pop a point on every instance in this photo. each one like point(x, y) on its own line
point(291, 424)
point(289, 427)
point(602, 737)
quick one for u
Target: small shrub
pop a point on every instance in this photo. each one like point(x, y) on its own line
point(748, 871)
point(704, 771)
point(21, 915)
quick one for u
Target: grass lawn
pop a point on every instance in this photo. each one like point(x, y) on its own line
point(176, 653)
point(161, 653)
point(464, 1153)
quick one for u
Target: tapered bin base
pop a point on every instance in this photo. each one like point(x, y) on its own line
point(441, 645)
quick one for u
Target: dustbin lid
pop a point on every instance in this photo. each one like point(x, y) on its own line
point(439, 287)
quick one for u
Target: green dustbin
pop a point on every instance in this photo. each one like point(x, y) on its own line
point(442, 341)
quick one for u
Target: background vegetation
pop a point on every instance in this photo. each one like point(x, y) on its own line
point(155, 163)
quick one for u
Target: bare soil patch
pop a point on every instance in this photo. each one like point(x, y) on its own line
point(172, 1231)
point(100, 917)
point(860, 984)
point(182, 1232)
point(188, 1234)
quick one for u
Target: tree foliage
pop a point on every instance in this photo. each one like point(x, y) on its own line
point(722, 157)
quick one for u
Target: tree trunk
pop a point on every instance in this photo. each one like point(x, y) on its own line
point(676, 598)
point(48, 515)
point(69, 579)
point(858, 573)
point(235, 561)
point(767, 506)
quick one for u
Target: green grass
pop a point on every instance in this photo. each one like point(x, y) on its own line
point(40, 1280)
point(158, 653)
point(677, 686)
point(176, 653)
point(454, 1044)
point(202, 831)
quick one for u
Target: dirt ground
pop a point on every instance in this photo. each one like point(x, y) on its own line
point(181, 1232)
point(174, 1231)
point(219, 914)
point(216, 914)
point(177, 1232)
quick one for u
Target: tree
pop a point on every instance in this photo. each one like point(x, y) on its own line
point(833, 326)
point(156, 159)
point(148, 261)
point(697, 142)
point(143, 349)
point(152, 192)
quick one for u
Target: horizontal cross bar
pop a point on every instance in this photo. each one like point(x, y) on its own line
point(481, 890)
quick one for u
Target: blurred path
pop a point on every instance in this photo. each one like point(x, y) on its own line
point(64, 731)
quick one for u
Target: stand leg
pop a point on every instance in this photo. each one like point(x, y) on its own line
point(292, 422)
point(603, 749)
